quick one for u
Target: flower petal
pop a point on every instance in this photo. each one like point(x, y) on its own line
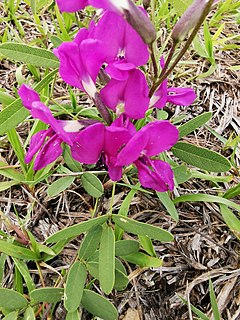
point(36, 143)
point(162, 135)
point(49, 153)
point(112, 93)
point(88, 144)
point(28, 96)
point(181, 96)
point(42, 112)
point(71, 5)
point(160, 178)
point(136, 95)
point(159, 99)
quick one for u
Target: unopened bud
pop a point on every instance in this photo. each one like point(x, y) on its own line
point(138, 19)
point(146, 4)
point(188, 20)
point(135, 16)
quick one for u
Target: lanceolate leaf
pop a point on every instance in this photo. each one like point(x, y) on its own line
point(51, 295)
point(98, 306)
point(125, 247)
point(12, 300)
point(168, 204)
point(90, 242)
point(15, 113)
point(17, 251)
point(194, 124)
point(107, 259)
point(27, 54)
point(141, 228)
point(231, 220)
point(76, 230)
point(74, 286)
point(59, 185)
point(143, 260)
point(206, 198)
point(201, 157)
point(92, 185)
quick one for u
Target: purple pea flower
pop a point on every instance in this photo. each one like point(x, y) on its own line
point(71, 5)
point(128, 96)
point(81, 60)
point(176, 96)
point(122, 44)
point(121, 145)
point(151, 140)
point(46, 143)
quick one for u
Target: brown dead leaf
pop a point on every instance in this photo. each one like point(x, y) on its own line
point(131, 314)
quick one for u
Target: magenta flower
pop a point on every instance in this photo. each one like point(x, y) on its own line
point(121, 145)
point(121, 42)
point(71, 5)
point(81, 60)
point(47, 143)
point(128, 96)
point(176, 96)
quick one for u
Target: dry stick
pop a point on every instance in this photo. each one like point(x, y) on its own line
point(184, 49)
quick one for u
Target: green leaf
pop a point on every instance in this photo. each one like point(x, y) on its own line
point(168, 204)
point(15, 142)
point(27, 54)
point(72, 164)
point(50, 295)
point(98, 306)
point(198, 312)
point(181, 174)
point(76, 230)
point(147, 245)
point(213, 300)
point(29, 314)
point(125, 247)
point(140, 228)
point(92, 185)
point(12, 300)
point(10, 172)
point(73, 315)
point(5, 98)
point(90, 242)
point(7, 184)
point(25, 273)
point(107, 259)
point(206, 198)
point(15, 113)
point(123, 211)
point(194, 124)
point(231, 220)
point(201, 157)
point(59, 185)
point(143, 260)
point(121, 280)
point(17, 251)
point(232, 192)
point(74, 286)
point(11, 316)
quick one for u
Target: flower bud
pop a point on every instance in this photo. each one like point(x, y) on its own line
point(138, 19)
point(134, 15)
point(188, 20)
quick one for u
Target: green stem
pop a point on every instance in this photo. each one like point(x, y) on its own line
point(184, 49)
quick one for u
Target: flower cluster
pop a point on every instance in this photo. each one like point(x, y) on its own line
point(113, 46)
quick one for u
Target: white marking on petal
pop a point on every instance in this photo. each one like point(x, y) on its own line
point(73, 126)
point(121, 4)
point(153, 100)
point(90, 87)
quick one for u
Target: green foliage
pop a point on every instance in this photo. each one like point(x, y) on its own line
point(74, 286)
point(92, 185)
point(201, 157)
point(12, 300)
point(59, 185)
point(27, 54)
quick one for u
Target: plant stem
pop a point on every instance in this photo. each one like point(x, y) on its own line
point(183, 50)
